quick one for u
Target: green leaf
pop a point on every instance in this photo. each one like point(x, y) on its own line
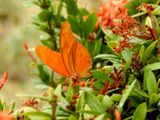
point(72, 118)
point(95, 105)
point(140, 112)
point(127, 65)
point(148, 51)
point(43, 74)
point(153, 66)
point(75, 25)
point(156, 11)
point(101, 76)
point(98, 84)
point(139, 14)
point(97, 47)
point(107, 102)
point(154, 98)
point(58, 91)
point(89, 24)
point(141, 53)
point(102, 116)
point(1, 105)
point(131, 6)
point(141, 93)
point(80, 103)
point(148, 21)
point(145, 80)
point(110, 57)
point(33, 114)
point(45, 15)
point(125, 95)
point(72, 8)
point(116, 97)
point(151, 82)
point(127, 54)
point(60, 7)
point(70, 92)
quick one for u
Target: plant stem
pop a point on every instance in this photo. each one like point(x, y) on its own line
point(54, 105)
point(52, 34)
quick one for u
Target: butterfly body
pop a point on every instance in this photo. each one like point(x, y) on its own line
point(73, 61)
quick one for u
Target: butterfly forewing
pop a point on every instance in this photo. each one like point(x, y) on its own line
point(53, 59)
point(68, 47)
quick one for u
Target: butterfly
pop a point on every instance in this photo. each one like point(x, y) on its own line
point(73, 60)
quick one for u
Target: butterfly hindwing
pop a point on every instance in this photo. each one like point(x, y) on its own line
point(83, 61)
point(75, 55)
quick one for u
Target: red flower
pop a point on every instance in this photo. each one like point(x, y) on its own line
point(3, 81)
point(6, 115)
point(111, 11)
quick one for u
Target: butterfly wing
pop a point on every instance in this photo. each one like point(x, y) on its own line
point(68, 46)
point(83, 61)
point(53, 59)
point(76, 57)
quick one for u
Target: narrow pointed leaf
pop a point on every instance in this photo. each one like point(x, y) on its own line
point(95, 105)
point(125, 95)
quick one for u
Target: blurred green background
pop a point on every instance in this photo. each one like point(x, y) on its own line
point(15, 28)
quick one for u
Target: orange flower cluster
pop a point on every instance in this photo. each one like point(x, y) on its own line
point(125, 29)
point(6, 115)
point(111, 11)
point(117, 76)
point(32, 102)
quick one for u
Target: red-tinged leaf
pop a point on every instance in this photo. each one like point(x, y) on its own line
point(3, 81)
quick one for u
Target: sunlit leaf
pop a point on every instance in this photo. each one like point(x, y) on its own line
point(153, 66)
point(154, 98)
point(70, 92)
point(141, 53)
point(127, 54)
point(148, 51)
point(151, 83)
point(140, 112)
point(125, 95)
point(107, 102)
point(95, 105)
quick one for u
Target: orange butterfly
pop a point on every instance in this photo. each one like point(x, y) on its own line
point(73, 60)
